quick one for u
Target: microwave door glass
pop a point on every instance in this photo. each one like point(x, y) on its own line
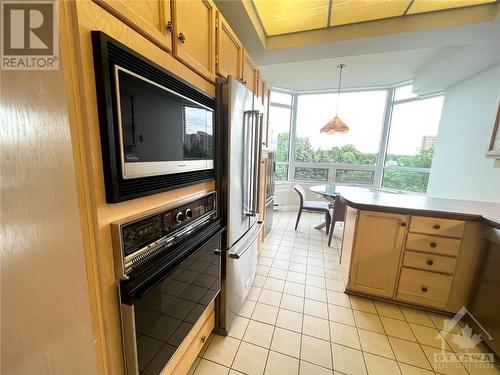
point(197, 133)
point(161, 132)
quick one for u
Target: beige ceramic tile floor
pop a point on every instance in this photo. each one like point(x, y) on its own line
point(297, 320)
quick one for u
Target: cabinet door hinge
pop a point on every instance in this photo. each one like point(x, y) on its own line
point(217, 21)
point(216, 59)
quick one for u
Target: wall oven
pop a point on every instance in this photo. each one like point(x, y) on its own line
point(156, 129)
point(168, 270)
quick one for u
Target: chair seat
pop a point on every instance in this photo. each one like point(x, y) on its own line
point(316, 206)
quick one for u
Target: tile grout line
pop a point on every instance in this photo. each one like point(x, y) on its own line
point(274, 330)
point(276, 249)
point(330, 333)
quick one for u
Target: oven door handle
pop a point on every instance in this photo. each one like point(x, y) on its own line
point(136, 288)
point(239, 254)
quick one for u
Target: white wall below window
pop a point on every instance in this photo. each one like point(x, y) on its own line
point(460, 169)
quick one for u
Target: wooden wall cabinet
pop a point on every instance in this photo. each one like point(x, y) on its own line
point(194, 35)
point(265, 101)
point(250, 73)
point(228, 50)
point(260, 87)
point(151, 18)
point(377, 250)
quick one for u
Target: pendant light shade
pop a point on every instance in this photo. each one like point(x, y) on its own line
point(336, 125)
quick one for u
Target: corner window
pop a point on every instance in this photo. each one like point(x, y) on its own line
point(280, 121)
point(412, 138)
point(407, 123)
point(363, 112)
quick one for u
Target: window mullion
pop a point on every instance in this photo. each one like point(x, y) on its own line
point(291, 152)
point(384, 140)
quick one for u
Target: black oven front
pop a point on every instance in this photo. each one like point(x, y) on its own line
point(171, 282)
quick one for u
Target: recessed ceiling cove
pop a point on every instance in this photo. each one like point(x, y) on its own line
point(279, 17)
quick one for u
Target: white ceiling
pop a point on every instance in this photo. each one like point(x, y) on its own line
point(361, 71)
point(435, 58)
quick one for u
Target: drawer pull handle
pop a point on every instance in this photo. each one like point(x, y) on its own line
point(203, 339)
point(182, 38)
point(433, 244)
point(436, 226)
point(424, 289)
point(403, 224)
point(430, 262)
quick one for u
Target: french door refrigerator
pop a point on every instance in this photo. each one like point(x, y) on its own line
point(239, 136)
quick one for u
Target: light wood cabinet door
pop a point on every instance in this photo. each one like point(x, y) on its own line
point(377, 252)
point(194, 35)
point(150, 18)
point(249, 75)
point(260, 87)
point(228, 50)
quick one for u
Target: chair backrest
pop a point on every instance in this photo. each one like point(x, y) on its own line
point(300, 191)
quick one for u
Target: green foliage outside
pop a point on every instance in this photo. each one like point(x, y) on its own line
point(282, 147)
point(357, 177)
point(406, 180)
point(311, 174)
point(348, 154)
point(281, 173)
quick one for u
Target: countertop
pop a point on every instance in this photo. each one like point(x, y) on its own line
point(376, 200)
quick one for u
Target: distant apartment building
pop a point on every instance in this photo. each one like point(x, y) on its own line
point(428, 142)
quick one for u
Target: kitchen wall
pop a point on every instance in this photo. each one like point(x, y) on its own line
point(460, 169)
point(46, 326)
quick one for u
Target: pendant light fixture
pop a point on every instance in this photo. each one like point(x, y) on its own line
point(336, 125)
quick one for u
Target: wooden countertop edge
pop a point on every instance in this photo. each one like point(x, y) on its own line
point(423, 212)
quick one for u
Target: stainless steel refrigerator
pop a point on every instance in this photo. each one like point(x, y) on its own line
point(239, 148)
point(270, 187)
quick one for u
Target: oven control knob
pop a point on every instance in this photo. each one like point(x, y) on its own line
point(188, 214)
point(179, 217)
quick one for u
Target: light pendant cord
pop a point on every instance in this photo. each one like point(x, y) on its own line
point(341, 66)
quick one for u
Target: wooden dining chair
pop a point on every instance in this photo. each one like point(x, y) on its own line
point(311, 206)
point(337, 213)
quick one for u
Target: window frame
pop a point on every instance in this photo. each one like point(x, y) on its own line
point(379, 168)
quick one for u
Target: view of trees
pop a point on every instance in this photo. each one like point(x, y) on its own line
point(405, 180)
point(348, 154)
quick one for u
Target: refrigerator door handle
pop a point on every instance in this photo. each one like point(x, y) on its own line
point(252, 162)
point(239, 254)
point(248, 124)
point(256, 166)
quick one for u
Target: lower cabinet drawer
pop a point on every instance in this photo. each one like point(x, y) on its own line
point(429, 262)
point(436, 226)
point(196, 345)
point(433, 244)
point(424, 288)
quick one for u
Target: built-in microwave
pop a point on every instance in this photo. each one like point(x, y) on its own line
point(157, 131)
point(160, 131)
